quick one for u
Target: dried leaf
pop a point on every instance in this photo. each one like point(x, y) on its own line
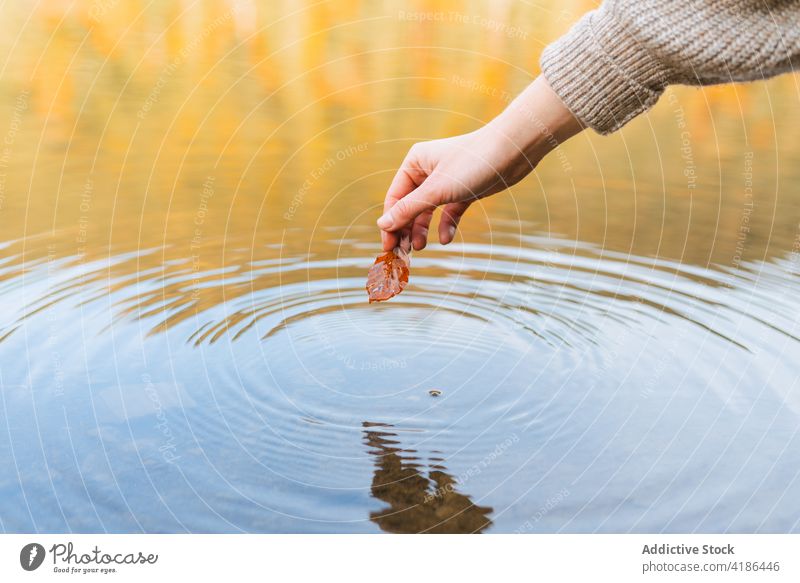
point(389, 274)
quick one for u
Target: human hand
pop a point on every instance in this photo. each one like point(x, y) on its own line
point(454, 172)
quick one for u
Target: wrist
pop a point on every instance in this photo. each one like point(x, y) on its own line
point(535, 123)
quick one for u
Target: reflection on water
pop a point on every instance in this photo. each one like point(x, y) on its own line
point(417, 504)
point(187, 205)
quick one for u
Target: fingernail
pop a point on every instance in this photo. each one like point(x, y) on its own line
point(451, 232)
point(385, 222)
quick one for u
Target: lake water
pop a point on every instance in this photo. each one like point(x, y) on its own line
point(187, 206)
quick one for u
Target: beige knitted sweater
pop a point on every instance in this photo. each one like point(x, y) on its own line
point(616, 61)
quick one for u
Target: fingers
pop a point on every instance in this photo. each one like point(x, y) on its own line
point(407, 178)
point(407, 209)
point(451, 215)
point(404, 182)
point(389, 240)
point(401, 185)
point(419, 232)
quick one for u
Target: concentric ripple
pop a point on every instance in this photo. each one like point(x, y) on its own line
point(261, 392)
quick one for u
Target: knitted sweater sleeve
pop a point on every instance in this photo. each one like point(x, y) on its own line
point(616, 61)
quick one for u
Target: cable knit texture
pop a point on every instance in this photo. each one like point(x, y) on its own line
point(616, 61)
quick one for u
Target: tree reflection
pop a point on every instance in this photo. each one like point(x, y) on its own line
point(417, 503)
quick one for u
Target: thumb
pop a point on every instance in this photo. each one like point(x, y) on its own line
point(407, 209)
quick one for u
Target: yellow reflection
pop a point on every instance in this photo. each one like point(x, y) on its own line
point(115, 115)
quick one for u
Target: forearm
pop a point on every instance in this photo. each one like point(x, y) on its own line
point(616, 61)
